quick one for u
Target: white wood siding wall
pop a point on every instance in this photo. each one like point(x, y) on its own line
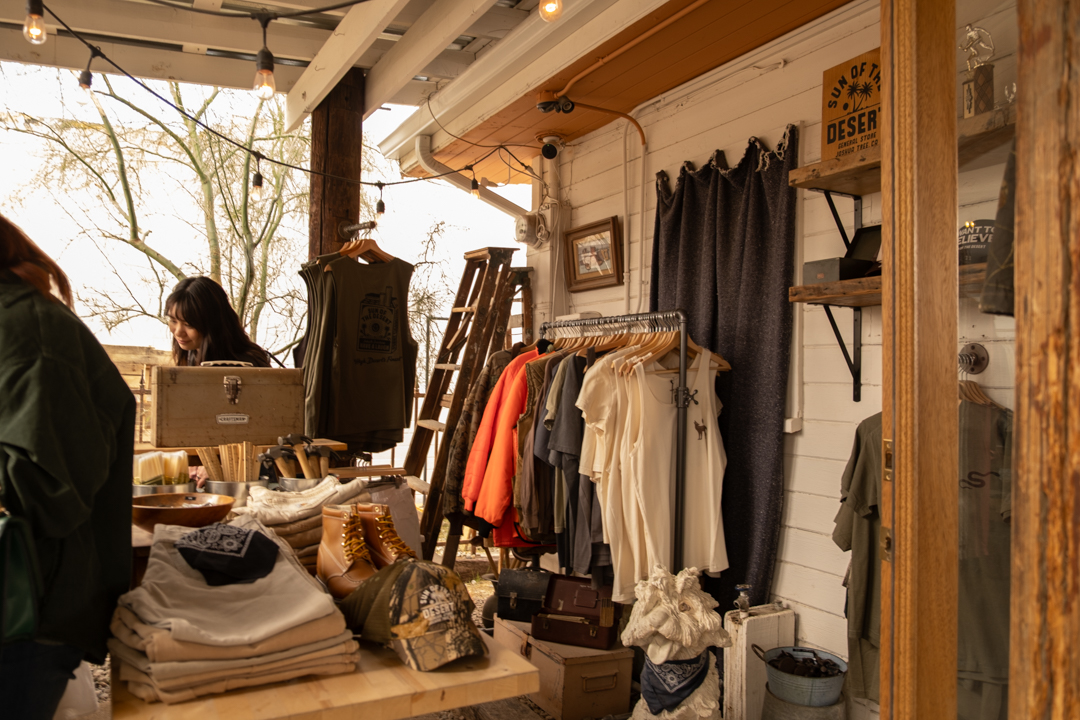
point(754, 96)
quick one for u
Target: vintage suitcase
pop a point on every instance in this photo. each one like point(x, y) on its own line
point(200, 406)
point(576, 614)
point(521, 593)
point(575, 682)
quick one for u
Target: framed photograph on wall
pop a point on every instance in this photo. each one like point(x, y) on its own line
point(593, 256)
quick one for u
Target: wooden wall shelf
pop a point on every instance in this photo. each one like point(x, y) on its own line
point(983, 141)
point(866, 292)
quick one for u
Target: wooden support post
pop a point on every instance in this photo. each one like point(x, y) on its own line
point(1044, 668)
point(336, 148)
point(919, 294)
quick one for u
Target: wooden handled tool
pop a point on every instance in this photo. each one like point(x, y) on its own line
point(296, 442)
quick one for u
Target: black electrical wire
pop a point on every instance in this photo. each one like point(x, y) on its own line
point(457, 137)
point(96, 51)
point(499, 148)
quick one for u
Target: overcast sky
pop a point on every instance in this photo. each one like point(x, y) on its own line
point(410, 210)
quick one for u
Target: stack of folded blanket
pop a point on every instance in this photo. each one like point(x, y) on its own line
point(217, 611)
point(296, 517)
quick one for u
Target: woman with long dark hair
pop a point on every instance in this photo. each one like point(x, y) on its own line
point(205, 327)
point(67, 428)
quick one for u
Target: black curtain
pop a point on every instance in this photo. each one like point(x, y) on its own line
point(723, 252)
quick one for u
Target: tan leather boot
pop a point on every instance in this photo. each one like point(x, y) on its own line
point(344, 561)
point(382, 538)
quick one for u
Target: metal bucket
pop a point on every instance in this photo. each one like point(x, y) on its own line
point(298, 484)
point(137, 490)
point(236, 490)
point(800, 690)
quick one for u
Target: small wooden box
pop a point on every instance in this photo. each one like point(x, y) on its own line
point(575, 682)
point(200, 406)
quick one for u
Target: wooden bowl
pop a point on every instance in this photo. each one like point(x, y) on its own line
point(187, 509)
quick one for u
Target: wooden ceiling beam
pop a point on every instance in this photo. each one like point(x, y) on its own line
point(149, 63)
point(522, 63)
point(357, 32)
point(444, 21)
point(139, 21)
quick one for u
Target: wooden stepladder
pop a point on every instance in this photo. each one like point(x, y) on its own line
point(476, 328)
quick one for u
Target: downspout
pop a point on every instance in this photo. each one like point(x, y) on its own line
point(433, 166)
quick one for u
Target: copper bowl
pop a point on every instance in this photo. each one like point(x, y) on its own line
point(187, 509)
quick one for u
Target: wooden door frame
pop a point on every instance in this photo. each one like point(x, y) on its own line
point(1044, 667)
point(919, 306)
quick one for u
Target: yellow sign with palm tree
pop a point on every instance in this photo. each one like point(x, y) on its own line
point(851, 106)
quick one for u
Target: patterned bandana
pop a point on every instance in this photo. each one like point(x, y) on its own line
point(227, 555)
point(667, 685)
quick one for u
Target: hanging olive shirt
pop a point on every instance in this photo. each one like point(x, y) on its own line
point(858, 526)
point(985, 510)
point(67, 427)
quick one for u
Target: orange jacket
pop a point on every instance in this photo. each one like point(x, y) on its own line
point(487, 489)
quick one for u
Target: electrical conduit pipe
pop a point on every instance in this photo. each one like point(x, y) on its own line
point(433, 166)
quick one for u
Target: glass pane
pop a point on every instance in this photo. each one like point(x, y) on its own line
point(986, 39)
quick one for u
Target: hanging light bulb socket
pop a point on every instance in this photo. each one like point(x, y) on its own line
point(380, 206)
point(550, 10)
point(257, 179)
point(86, 78)
point(264, 86)
point(475, 187)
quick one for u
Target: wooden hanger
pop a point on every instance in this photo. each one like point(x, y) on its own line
point(973, 393)
point(367, 249)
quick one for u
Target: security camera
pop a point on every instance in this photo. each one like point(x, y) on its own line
point(551, 146)
point(558, 104)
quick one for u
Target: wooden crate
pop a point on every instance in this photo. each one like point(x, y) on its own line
point(190, 406)
point(575, 682)
point(134, 366)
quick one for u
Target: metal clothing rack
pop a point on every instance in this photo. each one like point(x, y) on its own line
point(651, 322)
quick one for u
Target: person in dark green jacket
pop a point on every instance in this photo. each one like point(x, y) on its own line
point(67, 423)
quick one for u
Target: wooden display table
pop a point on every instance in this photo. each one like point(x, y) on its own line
point(382, 688)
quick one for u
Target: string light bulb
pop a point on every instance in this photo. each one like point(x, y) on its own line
point(33, 28)
point(257, 182)
point(550, 10)
point(380, 206)
point(264, 86)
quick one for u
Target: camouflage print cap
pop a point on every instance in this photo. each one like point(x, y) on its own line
point(420, 609)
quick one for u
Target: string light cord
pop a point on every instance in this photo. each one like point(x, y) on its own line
point(500, 148)
point(256, 14)
point(431, 112)
point(254, 153)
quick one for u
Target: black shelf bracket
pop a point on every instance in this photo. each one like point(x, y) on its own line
point(854, 359)
point(856, 200)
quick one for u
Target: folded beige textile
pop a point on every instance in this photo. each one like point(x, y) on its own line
point(307, 538)
point(274, 507)
point(172, 676)
point(142, 686)
point(309, 561)
point(309, 551)
point(159, 646)
point(176, 597)
point(299, 526)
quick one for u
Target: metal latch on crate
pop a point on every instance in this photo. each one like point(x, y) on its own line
point(232, 389)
